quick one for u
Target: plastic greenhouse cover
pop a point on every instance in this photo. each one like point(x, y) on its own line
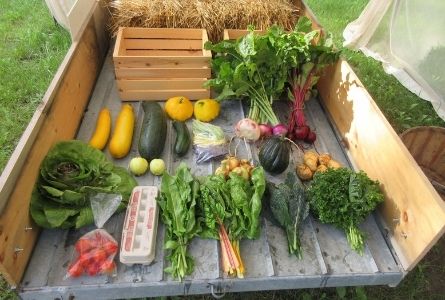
point(408, 37)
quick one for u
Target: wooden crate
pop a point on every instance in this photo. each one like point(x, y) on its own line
point(158, 63)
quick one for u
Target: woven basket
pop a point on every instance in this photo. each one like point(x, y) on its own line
point(427, 146)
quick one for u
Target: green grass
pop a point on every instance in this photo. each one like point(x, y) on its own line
point(32, 47)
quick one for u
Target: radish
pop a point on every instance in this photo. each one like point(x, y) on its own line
point(279, 129)
point(248, 129)
point(265, 130)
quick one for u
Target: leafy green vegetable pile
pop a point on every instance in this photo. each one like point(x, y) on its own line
point(177, 200)
point(236, 201)
point(250, 67)
point(189, 208)
point(260, 66)
point(71, 172)
point(289, 207)
point(344, 198)
point(234, 204)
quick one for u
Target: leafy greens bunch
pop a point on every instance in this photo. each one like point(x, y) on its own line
point(70, 174)
point(344, 198)
point(177, 200)
point(289, 207)
point(260, 66)
point(231, 211)
point(249, 67)
point(305, 52)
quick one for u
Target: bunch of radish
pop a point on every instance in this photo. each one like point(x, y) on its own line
point(252, 131)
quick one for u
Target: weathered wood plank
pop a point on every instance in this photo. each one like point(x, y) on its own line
point(375, 148)
point(68, 103)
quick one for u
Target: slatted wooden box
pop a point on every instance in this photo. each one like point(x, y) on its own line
point(158, 63)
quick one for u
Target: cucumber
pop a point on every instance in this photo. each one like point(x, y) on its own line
point(182, 142)
point(153, 131)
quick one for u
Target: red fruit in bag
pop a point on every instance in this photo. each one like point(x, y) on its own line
point(98, 255)
point(75, 270)
point(84, 245)
point(93, 269)
point(108, 267)
point(85, 259)
point(110, 247)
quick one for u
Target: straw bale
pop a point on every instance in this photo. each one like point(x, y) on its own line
point(213, 15)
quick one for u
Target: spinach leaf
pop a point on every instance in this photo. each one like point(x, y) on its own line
point(177, 199)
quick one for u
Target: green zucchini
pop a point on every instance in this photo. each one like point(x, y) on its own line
point(153, 131)
point(182, 142)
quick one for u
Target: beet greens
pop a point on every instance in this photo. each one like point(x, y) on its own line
point(306, 52)
point(260, 66)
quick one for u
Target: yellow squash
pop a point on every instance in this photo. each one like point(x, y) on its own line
point(120, 143)
point(179, 108)
point(206, 109)
point(103, 127)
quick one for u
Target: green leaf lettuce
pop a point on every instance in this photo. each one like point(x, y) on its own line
point(71, 172)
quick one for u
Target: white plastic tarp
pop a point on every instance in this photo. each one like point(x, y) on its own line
point(60, 10)
point(71, 14)
point(408, 37)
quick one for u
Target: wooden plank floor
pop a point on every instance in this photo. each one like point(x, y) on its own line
point(327, 257)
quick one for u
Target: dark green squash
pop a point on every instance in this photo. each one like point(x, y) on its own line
point(182, 143)
point(153, 131)
point(274, 155)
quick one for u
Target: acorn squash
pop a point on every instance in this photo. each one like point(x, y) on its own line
point(274, 155)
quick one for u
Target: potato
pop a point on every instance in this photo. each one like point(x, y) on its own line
point(312, 164)
point(310, 155)
point(321, 169)
point(303, 172)
point(324, 158)
point(334, 164)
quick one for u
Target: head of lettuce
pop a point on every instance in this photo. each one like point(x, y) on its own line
point(71, 173)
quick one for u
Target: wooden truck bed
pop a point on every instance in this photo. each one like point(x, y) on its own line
point(327, 258)
point(349, 125)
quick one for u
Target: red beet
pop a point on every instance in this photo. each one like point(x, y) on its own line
point(301, 132)
point(311, 137)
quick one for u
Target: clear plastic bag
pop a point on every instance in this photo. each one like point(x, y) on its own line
point(94, 252)
point(204, 154)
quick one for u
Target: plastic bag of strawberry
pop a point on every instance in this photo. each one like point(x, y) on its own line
point(94, 252)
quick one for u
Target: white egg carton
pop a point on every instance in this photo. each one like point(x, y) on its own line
point(140, 227)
